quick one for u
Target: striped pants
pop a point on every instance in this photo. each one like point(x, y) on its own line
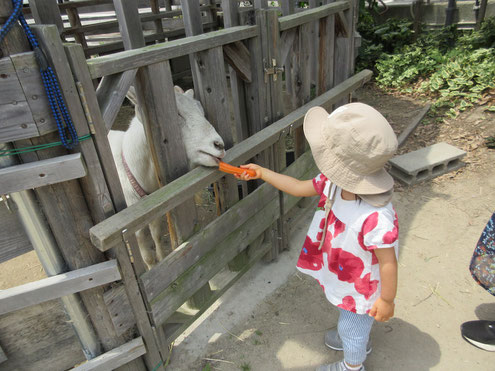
point(354, 330)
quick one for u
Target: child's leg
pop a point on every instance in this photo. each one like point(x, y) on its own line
point(354, 330)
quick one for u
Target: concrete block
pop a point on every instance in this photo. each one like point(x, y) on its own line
point(426, 163)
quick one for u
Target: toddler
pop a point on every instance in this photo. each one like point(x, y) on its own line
point(351, 248)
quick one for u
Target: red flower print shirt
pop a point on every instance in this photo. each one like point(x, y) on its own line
point(346, 266)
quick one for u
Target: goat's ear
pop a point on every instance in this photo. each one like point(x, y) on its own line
point(178, 89)
point(190, 93)
point(131, 95)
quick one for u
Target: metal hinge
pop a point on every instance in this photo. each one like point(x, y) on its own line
point(273, 70)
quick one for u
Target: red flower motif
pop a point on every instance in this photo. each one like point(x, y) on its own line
point(345, 265)
point(310, 257)
point(390, 237)
point(369, 224)
point(319, 185)
point(348, 303)
point(366, 287)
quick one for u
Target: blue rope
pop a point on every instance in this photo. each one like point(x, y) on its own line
point(66, 130)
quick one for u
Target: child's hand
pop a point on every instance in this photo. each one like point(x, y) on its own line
point(382, 310)
point(244, 176)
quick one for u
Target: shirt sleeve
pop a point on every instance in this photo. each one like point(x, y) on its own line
point(319, 183)
point(381, 230)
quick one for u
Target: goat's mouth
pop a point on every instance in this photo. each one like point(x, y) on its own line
point(216, 158)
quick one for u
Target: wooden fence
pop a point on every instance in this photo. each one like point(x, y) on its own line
point(278, 67)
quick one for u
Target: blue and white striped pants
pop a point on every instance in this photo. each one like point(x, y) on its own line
point(354, 330)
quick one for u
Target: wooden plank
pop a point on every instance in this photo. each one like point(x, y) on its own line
point(413, 124)
point(309, 15)
point(40, 173)
point(13, 239)
point(170, 299)
point(57, 286)
point(286, 42)
point(151, 38)
point(29, 76)
point(230, 10)
point(108, 233)
point(111, 93)
point(237, 55)
point(120, 309)
point(326, 54)
point(47, 339)
point(17, 122)
point(10, 88)
point(131, 59)
point(169, 269)
point(115, 357)
point(46, 12)
point(342, 29)
point(303, 78)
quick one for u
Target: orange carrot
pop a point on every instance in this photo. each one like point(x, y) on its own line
point(227, 168)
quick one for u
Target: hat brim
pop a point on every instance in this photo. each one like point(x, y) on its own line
point(375, 183)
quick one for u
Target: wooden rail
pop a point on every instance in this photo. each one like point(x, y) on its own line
point(135, 58)
point(116, 357)
point(309, 15)
point(40, 173)
point(57, 286)
point(114, 25)
point(108, 233)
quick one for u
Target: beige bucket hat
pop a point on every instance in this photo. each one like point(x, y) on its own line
point(351, 147)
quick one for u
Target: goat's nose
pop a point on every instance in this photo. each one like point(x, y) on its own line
point(219, 145)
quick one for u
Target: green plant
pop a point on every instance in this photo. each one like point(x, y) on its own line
point(245, 367)
point(207, 367)
point(455, 69)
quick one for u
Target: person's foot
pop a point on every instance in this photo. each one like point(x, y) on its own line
point(333, 341)
point(337, 366)
point(480, 333)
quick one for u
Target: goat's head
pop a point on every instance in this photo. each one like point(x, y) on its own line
point(203, 144)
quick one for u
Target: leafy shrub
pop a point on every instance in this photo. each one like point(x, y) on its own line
point(454, 68)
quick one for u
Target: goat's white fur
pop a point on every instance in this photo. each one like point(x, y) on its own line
point(203, 146)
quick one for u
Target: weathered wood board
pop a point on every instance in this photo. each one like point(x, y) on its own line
point(35, 337)
point(13, 239)
point(57, 286)
point(116, 357)
point(24, 107)
point(40, 173)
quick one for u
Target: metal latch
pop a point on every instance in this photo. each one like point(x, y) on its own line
point(273, 70)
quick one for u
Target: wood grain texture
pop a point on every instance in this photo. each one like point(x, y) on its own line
point(309, 15)
point(237, 55)
point(23, 335)
point(40, 173)
point(29, 76)
point(57, 286)
point(13, 239)
point(131, 59)
point(115, 357)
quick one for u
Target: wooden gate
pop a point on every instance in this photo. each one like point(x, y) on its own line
point(278, 67)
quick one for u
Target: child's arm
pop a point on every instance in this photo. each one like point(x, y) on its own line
point(383, 309)
point(290, 185)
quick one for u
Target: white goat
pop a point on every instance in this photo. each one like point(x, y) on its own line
point(135, 167)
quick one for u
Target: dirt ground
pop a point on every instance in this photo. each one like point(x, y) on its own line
point(275, 318)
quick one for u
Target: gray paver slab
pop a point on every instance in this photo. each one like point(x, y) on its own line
point(426, 163)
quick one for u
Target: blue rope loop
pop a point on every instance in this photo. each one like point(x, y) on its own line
point(66, 130)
